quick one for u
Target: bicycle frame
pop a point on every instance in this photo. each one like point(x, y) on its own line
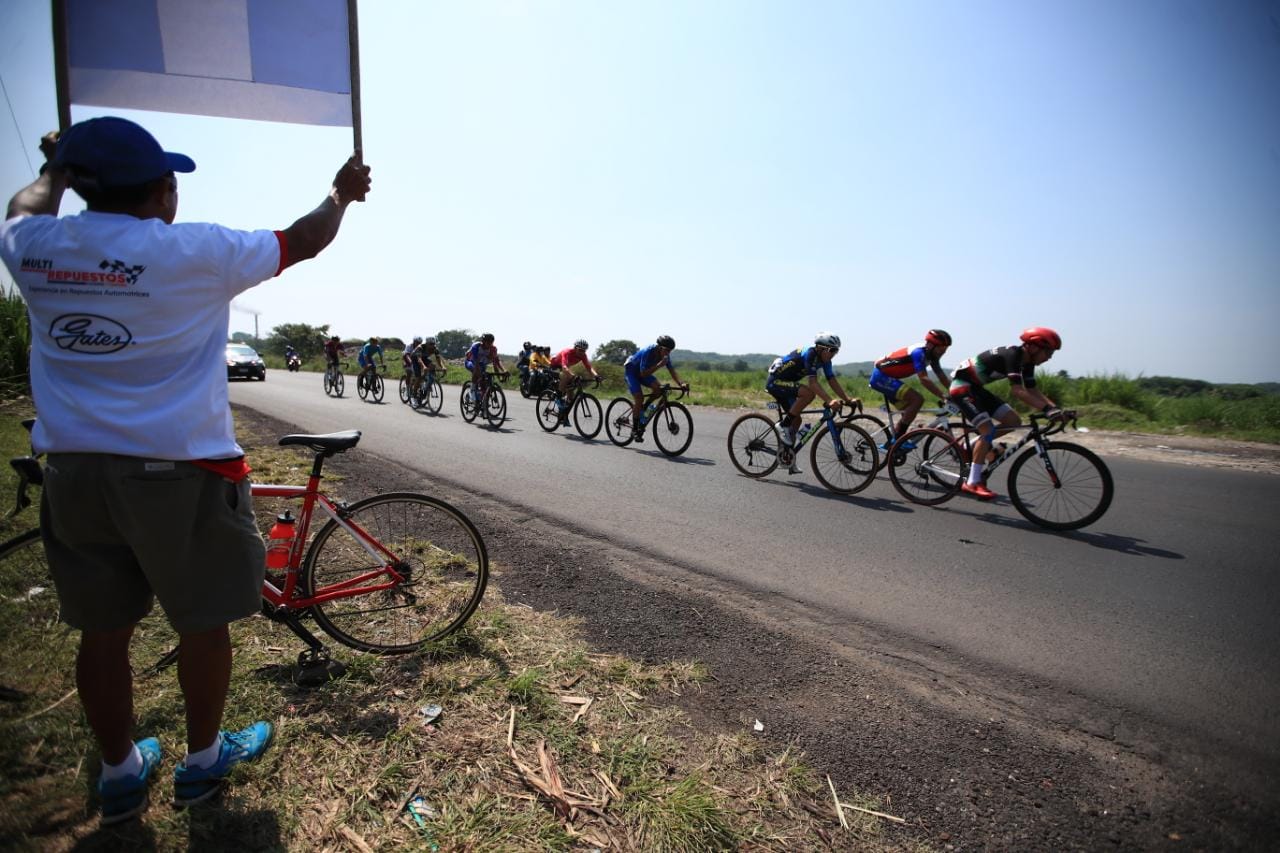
point(660, 395)
point(1033, 434)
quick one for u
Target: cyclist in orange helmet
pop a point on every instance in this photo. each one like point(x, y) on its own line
point(982, 408)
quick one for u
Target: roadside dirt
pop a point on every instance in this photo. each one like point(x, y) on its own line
point(1184, 450)
point(969, 758)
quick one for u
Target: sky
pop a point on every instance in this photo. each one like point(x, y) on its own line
point(742, 175)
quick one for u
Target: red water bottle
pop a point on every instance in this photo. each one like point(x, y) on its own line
point(280, 542)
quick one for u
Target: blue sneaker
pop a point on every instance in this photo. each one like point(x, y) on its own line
point(193, 785)
point(127, 797)
point(904, 446)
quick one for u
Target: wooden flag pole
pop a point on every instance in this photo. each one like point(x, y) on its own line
point(353, 39)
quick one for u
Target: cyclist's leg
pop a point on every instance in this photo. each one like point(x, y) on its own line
point(909, 402)
point(804, 396)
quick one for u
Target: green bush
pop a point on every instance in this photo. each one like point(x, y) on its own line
point(15, 344)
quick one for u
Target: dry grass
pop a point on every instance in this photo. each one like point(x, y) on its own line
point(542, 744)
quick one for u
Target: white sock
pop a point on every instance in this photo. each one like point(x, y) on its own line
point(131, 766)
point(205, 757)
point(975, 473)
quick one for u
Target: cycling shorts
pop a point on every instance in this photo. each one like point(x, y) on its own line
point(892, 389)
point(976, 402)
point(416, 367)
point(471, 365)
point(785, 395)
point(636, 384)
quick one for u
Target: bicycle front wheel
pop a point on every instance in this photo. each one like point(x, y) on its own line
point(328, 382)
point(379, 388)
point(1070, 490)
point(617, 421)
point(754, 444)
point(587, 415)
point(436, 551)
point(404, 389)
point(547, 410)
point(362, 386)
point(338, 384)
point(931, 470)
point(839, 468)
point(434, 396)
point(468, 403)
point(495, 406)
point(672, 429)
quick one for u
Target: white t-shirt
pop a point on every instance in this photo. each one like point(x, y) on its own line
point(129, 325)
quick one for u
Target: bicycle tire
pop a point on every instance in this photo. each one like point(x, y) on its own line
point(435, 396)
point(379, 388)
point(932, 471)
point(362, 386)
point(495, 406)
point(404, 390)
point(851, 473)
point(328, 383)
point(438, 550)
point(617, 421)
point(672, 428)
point(1083, 494)
point(754, 445)
point(588, 417)
point(547, 411)
point(878, 432)
point(338, 384)
point(468, 403)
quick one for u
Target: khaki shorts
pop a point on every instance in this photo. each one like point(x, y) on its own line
point(120, 532)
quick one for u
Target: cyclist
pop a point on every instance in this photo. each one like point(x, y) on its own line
point(408, 364)
point(888, 373)
point(481, 355)
point(333, 351)
point(968, 389)
point(368, 352)
point(572, 361)
point(426, 361)
point(638, 371)
point(793, 382)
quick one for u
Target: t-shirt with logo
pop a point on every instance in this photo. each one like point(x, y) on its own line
point(569, 357)
point(129, 323)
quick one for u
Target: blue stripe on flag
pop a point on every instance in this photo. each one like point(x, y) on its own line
point(304, 49)
point(116, 34)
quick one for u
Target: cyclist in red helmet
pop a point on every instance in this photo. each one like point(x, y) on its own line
point(888, 373)
point(982, 408)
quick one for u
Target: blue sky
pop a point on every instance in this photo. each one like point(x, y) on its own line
point(741, 175)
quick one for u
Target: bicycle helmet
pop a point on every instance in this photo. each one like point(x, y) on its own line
point(938, 338)
point(1043, 337)
point(826, 339)
point(430, 342)
point(417, 340)
point(580, 344)
point(335, 339)
point(487, 337)
point(666, 341)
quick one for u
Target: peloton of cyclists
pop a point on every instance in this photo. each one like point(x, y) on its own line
point(368, 353)
point(638, 371)
point(793, 382)
point(572, 361)
point(482, 354)
point(982, 408)
point(888, 373)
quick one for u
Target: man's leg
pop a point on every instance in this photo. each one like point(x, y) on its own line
point(204, 674)
point(105, 682)
point(911, 403)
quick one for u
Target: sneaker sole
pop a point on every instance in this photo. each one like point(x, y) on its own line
point(112, 820)
point(221, 783)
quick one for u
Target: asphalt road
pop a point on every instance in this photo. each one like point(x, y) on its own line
point(1164, 611)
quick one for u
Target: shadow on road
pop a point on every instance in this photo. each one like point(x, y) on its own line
point(860, 500)
point(1109, 541)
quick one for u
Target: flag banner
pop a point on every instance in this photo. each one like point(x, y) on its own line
point(271, 60)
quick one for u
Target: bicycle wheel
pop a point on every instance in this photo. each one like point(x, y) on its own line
point(468, 403)
point(754, 444)
point(672, 429)
point(404, 389)
point(617, 421)
point(495, 406)
point(843, 471)
point(435, 396)
point(436, 550)
point(547, 410)
point(29, 609)
point(588, 418)
point(378, 389)
point(338, 384)
point(328, 382)
point(932, 471)
point(878, 433)
point(1070, 490)
point(362, 386)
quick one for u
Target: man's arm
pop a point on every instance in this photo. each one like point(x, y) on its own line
point(43, 196)
point(929, 386)
point(307, 237)
point(1032, 397)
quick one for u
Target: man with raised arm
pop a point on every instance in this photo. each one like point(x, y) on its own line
point(146, 493)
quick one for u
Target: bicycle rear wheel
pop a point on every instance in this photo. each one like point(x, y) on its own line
point(328, 382)
point(338, 384)
point(1079, 497)
point(754, 445)
point(362, 386)
point(879, 434)
point(842, 470)
point(617, 421)
point(468, 403)
point(587, 415)
point(495, 406)
point(437, 551)
point(379, 387)
point(404, 389)
point(434, 398)
point(672, 429)
point(932, 471)
point(547, 410)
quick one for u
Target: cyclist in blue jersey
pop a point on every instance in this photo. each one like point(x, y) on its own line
point(481, 355)
point(888, 373)
point(793, 382)
point(639, 370)
point(367, 354)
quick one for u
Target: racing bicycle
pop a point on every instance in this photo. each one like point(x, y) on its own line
point(333, 380)
point(492, 402)
point(843, 456)
point(581, 405)
point(371, 384)
point(672, 424)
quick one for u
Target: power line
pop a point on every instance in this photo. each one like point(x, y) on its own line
point(17, 129)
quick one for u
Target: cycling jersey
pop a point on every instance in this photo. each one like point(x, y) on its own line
point(332, 349)
point(368, 351)
point(649, 359)
point(480, 355)
point(798, 364)
point(996, 364)
point(569, 357)
point(537, 361)
point(905, 362)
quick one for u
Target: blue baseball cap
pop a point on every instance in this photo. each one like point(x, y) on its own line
point(117, 152)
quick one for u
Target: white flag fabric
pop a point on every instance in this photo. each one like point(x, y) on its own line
point(272, 60)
